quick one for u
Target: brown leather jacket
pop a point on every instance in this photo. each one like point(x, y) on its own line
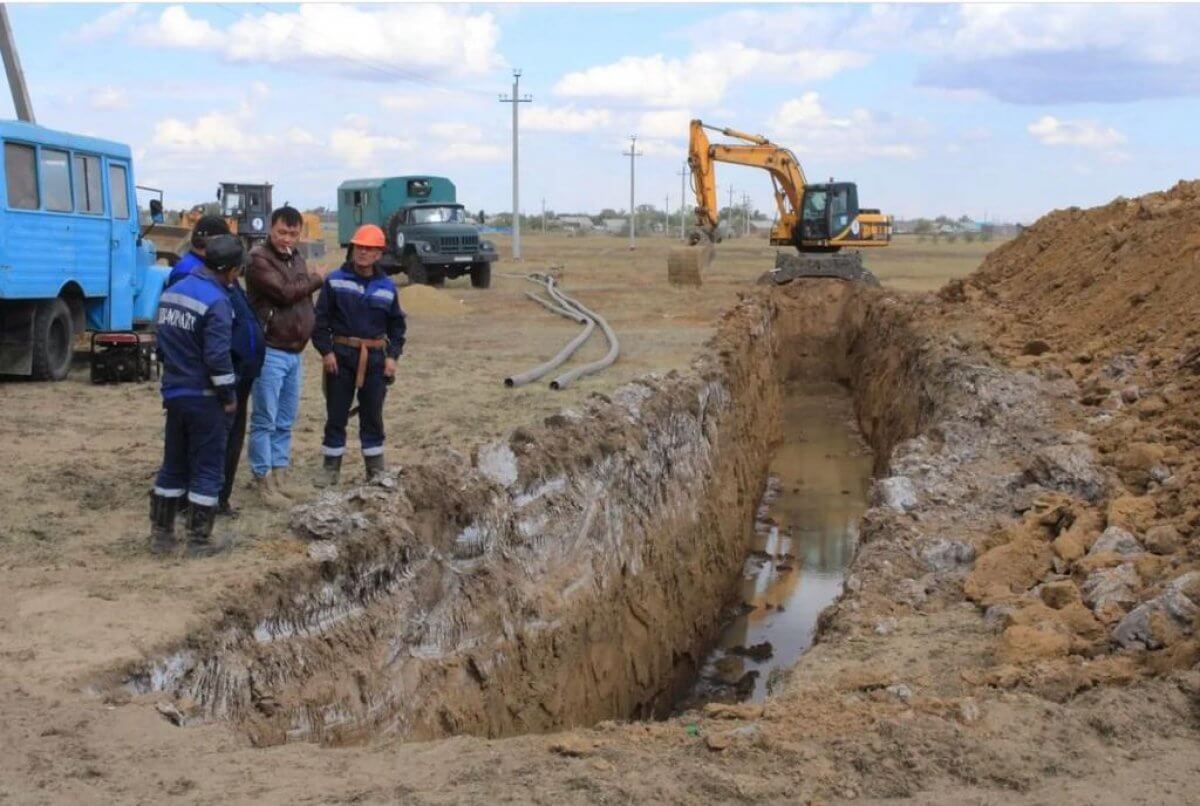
point(280, 291)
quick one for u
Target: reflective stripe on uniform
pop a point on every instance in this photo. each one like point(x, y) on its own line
point(202, 500)
point(173, 298)
point(346, 285)
point(328, 451)
point(223, 380)
point(376, 451)
point(168, 493)
point(383, 293)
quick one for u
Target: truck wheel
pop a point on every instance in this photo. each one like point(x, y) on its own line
point(437, 277)
point(481, 275)
point(415, 269)
point(53, 340)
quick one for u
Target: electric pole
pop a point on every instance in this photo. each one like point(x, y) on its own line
point(731, 210)
point(633, 154)
point(12, 68)
point(543, 215)
point(683, 173)
point(516, 100)
point(746, 212)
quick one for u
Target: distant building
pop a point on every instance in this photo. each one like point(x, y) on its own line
point(581, 223)
point(616, 226)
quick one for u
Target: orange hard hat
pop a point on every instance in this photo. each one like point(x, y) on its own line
point(369, 235)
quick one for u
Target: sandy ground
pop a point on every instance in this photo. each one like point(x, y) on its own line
point(79, 594)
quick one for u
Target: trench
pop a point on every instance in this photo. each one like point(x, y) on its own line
point(804, 537)
point(577, 570)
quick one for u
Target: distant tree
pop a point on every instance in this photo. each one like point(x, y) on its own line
point(969, 236)
point(482, 218)
point(923, 228)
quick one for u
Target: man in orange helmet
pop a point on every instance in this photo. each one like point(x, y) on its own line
point(359, 333)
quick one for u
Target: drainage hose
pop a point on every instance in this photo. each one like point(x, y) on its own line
point(614, 347)
point(565, 352)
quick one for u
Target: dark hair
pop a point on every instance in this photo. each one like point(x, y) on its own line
point(207, 227)
point(289, 215)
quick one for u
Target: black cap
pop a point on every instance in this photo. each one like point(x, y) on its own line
point(209, 226)
point(223, 252)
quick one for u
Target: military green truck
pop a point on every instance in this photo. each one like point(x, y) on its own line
point(428, 235)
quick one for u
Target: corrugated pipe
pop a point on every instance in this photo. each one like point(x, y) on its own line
point(614, 347)
point(568, 350)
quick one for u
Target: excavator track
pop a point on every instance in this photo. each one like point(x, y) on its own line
point(838, 265)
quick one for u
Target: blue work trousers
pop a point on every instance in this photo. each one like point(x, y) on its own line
point(275, 402)
point(194, 450)
point(339, 396)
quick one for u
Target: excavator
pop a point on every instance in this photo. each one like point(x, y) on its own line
point(819, 220)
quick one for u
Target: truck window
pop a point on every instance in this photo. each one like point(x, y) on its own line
point(118, 190)
point(89, 198)
point(419, 188)
point(21, 173)
point(56, 180)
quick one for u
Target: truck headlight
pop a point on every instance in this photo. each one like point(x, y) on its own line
point(425, 247)
point(487, 246)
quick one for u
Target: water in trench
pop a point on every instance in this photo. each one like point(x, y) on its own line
point(805, 533)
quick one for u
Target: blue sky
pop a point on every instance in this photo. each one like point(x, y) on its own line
point(1004, 111)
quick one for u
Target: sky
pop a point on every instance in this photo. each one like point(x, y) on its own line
point(998, 112)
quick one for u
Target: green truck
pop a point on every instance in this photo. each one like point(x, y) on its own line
point(428, 235)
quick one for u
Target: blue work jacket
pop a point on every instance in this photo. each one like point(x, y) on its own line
point(364, 307)
point(183, 267)
point(194, 328)
point(248, 345)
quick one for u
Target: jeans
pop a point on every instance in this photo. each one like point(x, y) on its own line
point(339, 395)
point(276, 401)
point(194, 450)
point(237, 438)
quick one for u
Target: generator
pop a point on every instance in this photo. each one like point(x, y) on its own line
point(123, 356)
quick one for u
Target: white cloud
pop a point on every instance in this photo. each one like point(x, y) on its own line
point(670, 123)
point(215, 132)
point(1051, 131)
point(175, 28)
point(701, 78)
point(378, 42)
point(804, 125)
point(563, 119)
point(301, 137)
point(110, 98)
point(359, 149)
point(107, 24)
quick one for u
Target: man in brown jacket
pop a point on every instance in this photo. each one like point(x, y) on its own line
point(280, 288)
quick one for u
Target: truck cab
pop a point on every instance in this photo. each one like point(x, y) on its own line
point(428, 233)
point(71, 254)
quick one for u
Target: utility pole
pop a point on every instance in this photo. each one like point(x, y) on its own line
point(633, 154)
point(746, 212)
point(683, 173)
point(731, 210)
point(543, 215)
point(12, 68)
point(516, 100)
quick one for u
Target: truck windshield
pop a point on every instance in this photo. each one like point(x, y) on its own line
point(437, 215)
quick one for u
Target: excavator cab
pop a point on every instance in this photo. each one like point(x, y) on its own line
point(828, 210)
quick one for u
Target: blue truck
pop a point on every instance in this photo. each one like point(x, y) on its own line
point(72, 256)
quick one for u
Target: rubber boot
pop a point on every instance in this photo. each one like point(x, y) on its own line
point(270, 497)
point(201, 542)
point(331, 472)
point(375, 466)
point(162, 524)
point(226, 510)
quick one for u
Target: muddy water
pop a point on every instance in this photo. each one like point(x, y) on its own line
point(805, 533)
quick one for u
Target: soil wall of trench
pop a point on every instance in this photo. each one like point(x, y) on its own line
point(574, 572)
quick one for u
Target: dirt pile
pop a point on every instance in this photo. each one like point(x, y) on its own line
point(1102, 303)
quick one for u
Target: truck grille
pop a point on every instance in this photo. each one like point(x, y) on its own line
point(459, 244)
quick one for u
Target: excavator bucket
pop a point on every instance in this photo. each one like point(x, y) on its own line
point(686, 264)
point(836, 265)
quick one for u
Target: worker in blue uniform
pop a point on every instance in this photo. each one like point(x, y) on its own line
point(360, 334)
point(205, 228)
point(248, 349)
point(194, 328)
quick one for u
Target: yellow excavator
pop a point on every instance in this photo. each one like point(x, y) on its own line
point(819, 220)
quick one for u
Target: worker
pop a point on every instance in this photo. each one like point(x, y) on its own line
point(248, 349)
point(194, 328)
point(205, 228)
point(280, 288)
point(360, 334)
